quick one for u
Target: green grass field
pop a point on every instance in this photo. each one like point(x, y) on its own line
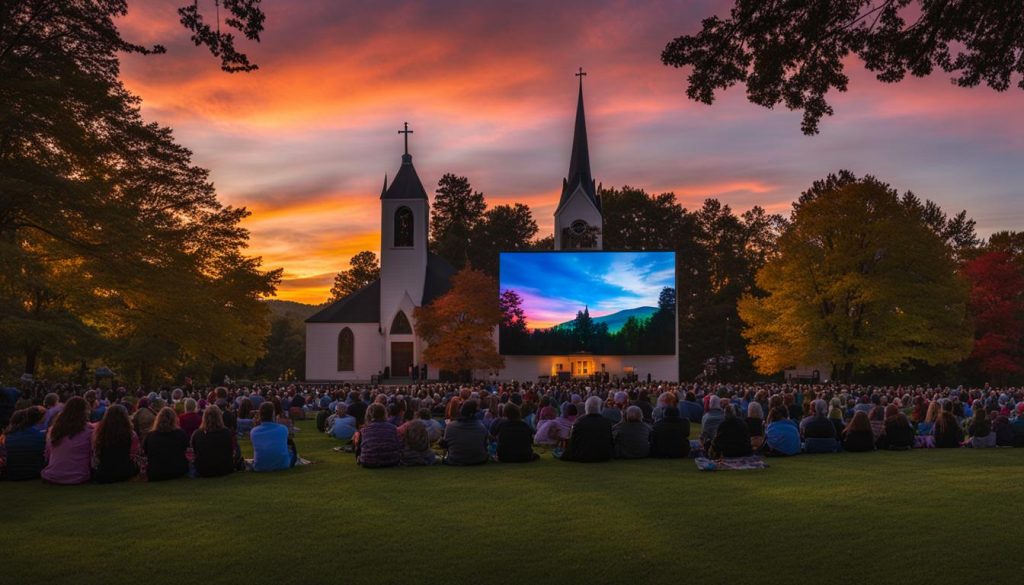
point(907, 517)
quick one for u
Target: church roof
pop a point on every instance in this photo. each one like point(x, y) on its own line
point(406, 184)
point(438, 280)
point(363, 306)
point(579, 161)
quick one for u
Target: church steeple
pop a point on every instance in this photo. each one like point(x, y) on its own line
point(579, 162)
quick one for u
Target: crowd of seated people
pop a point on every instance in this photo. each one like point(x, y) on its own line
point(66, 434)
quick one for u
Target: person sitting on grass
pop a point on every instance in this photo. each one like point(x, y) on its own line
point(690, 409)
point(877, 418)
point(858, 437)
point(24, 445)
point(378, 443)
point(1018, 425)
point(782, 436)
point(732, 439)
point(215, 446)
point(632, 436)
point(515, 437)
point(341, 425)
point(670, 437)
point(416, 440)
point(898, 434)
point(948, 433)
point(590, 440)
point(979, 428)
point(142, 419)
point(755, 424)
point(244, 417)
point(926, 426)
point(69, 445)
point(818, 432)
point(712, 418)
point(465, 438)
point(115, 447)
point(165, 447)
point(272, 448)
point(1002, 429)
point(189, 420)
point(545, 425)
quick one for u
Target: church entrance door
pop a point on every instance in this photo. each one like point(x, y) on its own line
point(401, 358)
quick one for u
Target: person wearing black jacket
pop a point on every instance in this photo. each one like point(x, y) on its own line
point(515, 437)
point(670, 438)
point(858, 437)
point(948, 433)
point(732, 439)
point(214, 446)
point(899, 435)
point(165, 447)
point(114, 443)
point(590, 440)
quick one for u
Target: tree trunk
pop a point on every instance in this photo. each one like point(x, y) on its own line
point(31, 356)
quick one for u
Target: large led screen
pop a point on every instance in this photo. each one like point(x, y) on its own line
point(606, 303)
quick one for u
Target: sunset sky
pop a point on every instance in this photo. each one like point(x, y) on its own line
point(488, 88)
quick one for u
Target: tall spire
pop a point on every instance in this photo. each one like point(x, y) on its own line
point(579, 161)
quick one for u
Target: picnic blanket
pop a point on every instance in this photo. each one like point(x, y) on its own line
point(752, 462)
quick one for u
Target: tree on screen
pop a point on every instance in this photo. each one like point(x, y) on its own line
point(860, 280)
point(458, 326)
point(793, 52)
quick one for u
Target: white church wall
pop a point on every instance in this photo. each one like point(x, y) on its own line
point(322, 351)
point(403, 270)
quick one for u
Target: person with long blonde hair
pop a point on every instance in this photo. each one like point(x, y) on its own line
point(165, 447)
point(69, 445)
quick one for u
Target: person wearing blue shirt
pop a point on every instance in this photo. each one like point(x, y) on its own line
point(24, 442)
point(271, 448)
point(342, 425)
point(781, 435)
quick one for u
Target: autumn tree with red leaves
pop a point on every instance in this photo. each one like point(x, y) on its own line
point(997, 307)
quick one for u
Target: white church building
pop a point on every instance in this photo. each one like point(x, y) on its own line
point(371, 332)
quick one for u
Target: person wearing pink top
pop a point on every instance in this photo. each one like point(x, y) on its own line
point(69, 445)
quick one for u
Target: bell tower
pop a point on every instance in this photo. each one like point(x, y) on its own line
point(578, 219)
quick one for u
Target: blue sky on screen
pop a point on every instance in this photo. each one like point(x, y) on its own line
point(554, 285)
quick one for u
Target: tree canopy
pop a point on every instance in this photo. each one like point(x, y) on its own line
point(793, 52)
point(363, 269)
point(107, 229)
point(860, 280)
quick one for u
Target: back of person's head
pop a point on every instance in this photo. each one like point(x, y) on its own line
point(166, 420)
point(17, 422)
point(569, 409)
point(891, 411)
point(714, 402)
point(51, 400)
point(213, 419)
point(777, 413)
point(71, 420)
point(593, 405)
point(266, 412)
point(729, 408)
point(820, 407)
point(190, 405)
point(341, 409)
point(469, 408)
point(114, 429)
point(513, 412)
point(754, 410)
point(245, 409)
point(376, 412)
point(859, 422)
point(634, 414)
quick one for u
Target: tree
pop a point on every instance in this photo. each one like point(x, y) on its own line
point(459, 325)
point(363, 270)
point(859, 281)
point(455, 214)
point(104, 219)
point(503, 227)
point(997, 307)
point(793, 52)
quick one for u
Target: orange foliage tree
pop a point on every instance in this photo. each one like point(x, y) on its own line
point(459, 326)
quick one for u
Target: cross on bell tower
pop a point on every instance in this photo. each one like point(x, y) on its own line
point(407, 132)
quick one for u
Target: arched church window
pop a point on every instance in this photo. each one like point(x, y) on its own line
point(401, 324)
point(346, 350)
point(403, 228)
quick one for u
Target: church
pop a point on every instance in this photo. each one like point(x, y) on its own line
point(371, 332)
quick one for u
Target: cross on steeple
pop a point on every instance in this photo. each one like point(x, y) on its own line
point(407, 132)
point(581, 74)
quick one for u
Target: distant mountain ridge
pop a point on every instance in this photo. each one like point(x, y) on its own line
point(615, 321)
point(300, 311)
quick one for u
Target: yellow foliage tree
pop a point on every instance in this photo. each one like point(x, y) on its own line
point(459, 325)
point(860, 281)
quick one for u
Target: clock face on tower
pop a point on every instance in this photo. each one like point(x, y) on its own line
point(578, 227)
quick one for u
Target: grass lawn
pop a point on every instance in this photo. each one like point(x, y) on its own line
point(908, 517)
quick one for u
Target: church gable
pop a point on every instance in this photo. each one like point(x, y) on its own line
point(362, 306)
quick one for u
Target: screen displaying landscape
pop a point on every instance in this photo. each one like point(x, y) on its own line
point(610, 303)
